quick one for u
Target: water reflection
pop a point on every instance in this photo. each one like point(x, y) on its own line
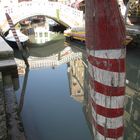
point(76, 71)
point(62, 57)
point(78, 78)
point(65, 68)
point(40, 33)
point(23, 91)
point(66, 110)
point(132, 110)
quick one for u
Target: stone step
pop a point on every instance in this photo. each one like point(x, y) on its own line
point(15, 127)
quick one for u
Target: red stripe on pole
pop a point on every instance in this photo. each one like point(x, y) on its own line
point(109, 133)
point(107, 112)
point(114, 65)
point(107, 90)
point(104, 25)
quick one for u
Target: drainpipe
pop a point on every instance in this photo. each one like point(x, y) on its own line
point(105, 34)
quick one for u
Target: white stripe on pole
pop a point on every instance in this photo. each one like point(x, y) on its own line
point(99, 136)
point(114, 79)
point(112, 102)
point(109, 123)
point(109, 54)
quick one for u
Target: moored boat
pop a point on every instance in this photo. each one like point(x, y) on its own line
point(78, 33)
point(10, 39)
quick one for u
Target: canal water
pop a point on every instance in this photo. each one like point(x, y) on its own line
point(53, 97)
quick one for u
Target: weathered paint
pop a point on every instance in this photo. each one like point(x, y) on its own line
point(104, 25)
point(105, 34)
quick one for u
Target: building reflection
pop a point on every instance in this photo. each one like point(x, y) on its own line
point(79, 86)
point(132, 100)
point(65, 56)
point(80, 91)
point(40, 32)
point(132, 115)
point(78, 76)
point(21, 71)
point(76, 71)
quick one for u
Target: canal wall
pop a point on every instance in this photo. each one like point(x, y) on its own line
point(10, 123)
point(3, 127)
point(6, 57)
point(14, 126)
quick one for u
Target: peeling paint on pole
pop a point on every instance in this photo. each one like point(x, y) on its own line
point(105, 34)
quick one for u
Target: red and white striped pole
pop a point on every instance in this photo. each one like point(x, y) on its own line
point(105, 34)
point(12, 28)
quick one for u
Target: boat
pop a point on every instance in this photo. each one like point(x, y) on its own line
point(25, 22)
point(37, 19)
point(10, 39)
point(78, 33)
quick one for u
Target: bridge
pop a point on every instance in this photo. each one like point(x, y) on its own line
point(21, 10)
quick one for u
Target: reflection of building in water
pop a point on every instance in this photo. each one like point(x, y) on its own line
point(132, 104)
point(76, 79)
point(21, 70)
point(132, 114)
point(42, 34)
point(132, 100)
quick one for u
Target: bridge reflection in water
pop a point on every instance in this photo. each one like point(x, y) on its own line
point(76, 84)
point(78, 78)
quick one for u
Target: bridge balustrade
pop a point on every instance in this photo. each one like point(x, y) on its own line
point(55, 10)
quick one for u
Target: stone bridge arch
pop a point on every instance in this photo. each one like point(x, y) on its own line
point(59, 12)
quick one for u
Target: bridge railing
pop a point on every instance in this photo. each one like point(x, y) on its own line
point(55, 10)
point(71, 15)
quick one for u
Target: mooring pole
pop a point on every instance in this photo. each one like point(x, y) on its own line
point(105, 34)
point(12, 28)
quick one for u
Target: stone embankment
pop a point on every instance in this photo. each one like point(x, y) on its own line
point(10, 124)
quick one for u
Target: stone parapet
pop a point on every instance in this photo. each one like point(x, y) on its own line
point(7, 61)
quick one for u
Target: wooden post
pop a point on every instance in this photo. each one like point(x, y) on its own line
point(105, 34)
